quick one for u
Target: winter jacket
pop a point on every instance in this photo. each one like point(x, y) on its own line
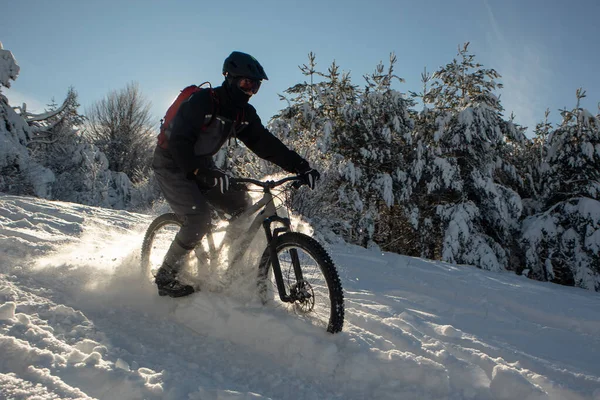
point(197, 135)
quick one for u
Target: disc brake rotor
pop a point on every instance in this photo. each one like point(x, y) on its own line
point(303, 295)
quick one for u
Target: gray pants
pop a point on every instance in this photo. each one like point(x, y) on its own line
point(192, 203)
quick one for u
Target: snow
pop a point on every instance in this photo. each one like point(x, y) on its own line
point(14, 134)
point(78, 321)
point(7, 311)
point(384, 184)
point(9, 70)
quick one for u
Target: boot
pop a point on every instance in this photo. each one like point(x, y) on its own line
point(166, 277)
point(168, 285)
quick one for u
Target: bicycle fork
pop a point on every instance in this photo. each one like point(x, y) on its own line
point(272, 234)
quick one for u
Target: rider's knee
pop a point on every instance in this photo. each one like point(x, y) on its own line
point(194, 227)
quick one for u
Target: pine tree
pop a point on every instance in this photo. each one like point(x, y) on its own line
point(531, 163)
point(376, 150)
point(311, 125)
point(572, 156)
point(563, 240)
point(461, 207)
point(462, 82)
point(55, 132)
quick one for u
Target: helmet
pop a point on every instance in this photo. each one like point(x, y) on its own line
point(240, 64)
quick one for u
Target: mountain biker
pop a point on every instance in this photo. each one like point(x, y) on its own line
point(186, 171)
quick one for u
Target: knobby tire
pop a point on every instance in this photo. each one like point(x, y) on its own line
point(309, 245)
point(155, 226)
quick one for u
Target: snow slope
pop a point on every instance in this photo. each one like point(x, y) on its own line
point(77, 321)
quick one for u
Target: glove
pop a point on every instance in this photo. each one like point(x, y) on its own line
point(214, 177)
point(310, 177)
point(221, 179)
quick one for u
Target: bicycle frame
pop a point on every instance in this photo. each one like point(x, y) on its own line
point(267, 217)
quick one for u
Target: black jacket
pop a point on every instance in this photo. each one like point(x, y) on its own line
point(197, 134)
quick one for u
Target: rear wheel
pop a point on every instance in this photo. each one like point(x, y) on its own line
point(196, 268)
point(158, 238)
point(318, 296)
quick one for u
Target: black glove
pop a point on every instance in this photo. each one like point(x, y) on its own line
point(214, 177)
point(310, 177)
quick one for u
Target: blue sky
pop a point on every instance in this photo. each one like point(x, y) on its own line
point(544, 49)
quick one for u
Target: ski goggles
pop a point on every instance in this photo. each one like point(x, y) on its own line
point(248, 86)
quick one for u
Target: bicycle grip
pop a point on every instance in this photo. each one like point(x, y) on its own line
point(235, 186)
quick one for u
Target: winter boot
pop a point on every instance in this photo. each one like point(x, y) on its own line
point(166, 277)
point(168, 285)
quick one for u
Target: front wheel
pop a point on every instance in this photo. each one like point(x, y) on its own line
point(318, 295)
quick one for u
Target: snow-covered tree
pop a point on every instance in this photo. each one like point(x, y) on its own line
point(121, 126)
point(475, 216)
point(359, 140)
point(44, 155)
point(461, 209)
point(80, 171)
point(513, 163)
point(376, 148)
point(464, 81)
point(310, 125)
point(55, 134)
point(19, 174)
point(562, 242)
point(9, 69)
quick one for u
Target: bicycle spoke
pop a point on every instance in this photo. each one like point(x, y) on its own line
point(314, 303)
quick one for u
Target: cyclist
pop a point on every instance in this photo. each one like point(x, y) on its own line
point(185, 169)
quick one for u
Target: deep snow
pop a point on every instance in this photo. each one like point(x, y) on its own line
point(78, 321)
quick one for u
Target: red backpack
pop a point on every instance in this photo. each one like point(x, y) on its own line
point(167, 121)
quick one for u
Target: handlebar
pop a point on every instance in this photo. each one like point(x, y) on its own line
point(268, 184)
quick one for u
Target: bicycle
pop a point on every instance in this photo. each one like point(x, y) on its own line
point(293, 265)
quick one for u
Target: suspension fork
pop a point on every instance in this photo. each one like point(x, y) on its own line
point(272, 234)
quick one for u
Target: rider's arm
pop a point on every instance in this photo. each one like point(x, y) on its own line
point(188, 121)
point(262, 142)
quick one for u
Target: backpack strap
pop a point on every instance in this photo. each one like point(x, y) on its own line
point(215, 105)
point(239, 119)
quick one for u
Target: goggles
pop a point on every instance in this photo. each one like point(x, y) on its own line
point(248, 86)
